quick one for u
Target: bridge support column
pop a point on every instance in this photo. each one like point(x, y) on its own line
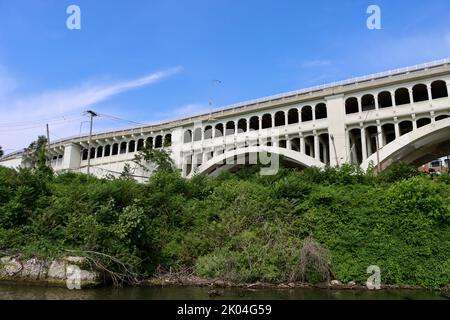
point(72, 157)
point(380, 136)
point(397, 129)
point(336, 128)
point(363, 144)
point(316, 147)
point(288, 143)
point(302, 145)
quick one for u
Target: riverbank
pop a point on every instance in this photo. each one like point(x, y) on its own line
point(176, 280)
point(76, 272)
point(310, 226)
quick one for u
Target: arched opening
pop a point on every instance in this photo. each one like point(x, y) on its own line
point(266, 121)
point(198, 134)
point(254, 123)
point(92, 155)
point(324, 146)
point(368, 102)
point(420, 93)
point(131, 146)
point(388, 133)
point(242, 125)
point(123, 148)
point(282, 144)
point(219, 130)
point(230, 128)
point(402, 96)
point(321, 111)
point(208, 132)
point(158, 142)
point(293, 116)
point(107, 151)
point(351, 105)
point(405, 127)
point(371, 139)
point(441, 117)
point(100, 152)
point(309, 146)
point(355, 146)
point(307, 114)
point(384, 99)
point(149, 142)
point(187, 136)
point(167, 140)
point(115, 149)
point(295, 144)
point(85, 154)
point(280, 119)
point(439, 89)
point(140, 144)
point(423, 122)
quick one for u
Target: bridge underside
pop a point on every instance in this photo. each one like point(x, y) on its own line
point(267, 157)
point(417, 148)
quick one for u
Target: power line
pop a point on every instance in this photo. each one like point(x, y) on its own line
point(120, 119)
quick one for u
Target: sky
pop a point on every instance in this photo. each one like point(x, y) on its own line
point(146, 61)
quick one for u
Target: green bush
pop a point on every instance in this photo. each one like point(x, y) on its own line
point(243, 226)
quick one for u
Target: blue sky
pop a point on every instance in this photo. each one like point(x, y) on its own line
point(148, 61)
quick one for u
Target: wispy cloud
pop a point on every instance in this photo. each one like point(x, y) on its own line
point(59, 103)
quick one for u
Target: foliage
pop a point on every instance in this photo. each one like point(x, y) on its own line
point(159, 157)
point(1, 152)
point(243, 227)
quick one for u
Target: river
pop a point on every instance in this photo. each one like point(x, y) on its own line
point(12, 292)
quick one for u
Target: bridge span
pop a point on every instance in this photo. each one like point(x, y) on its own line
point(404, 114)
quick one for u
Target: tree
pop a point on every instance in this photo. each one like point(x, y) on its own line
point(36, 155)
point(1, 152)
point(159, 157)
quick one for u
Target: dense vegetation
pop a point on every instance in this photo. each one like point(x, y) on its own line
point(241, 226)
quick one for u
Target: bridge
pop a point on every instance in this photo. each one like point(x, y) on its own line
point(398, 115)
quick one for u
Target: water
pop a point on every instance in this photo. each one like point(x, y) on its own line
point(22, 292)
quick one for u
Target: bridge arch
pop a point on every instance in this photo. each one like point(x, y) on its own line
point(218, 163)
point(416, 147)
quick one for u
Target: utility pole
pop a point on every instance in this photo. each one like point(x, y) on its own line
point(91, 114)
point(48, 144)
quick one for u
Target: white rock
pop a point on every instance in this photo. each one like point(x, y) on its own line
point(335, 283)
point(57, 270)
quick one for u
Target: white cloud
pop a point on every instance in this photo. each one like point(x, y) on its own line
point(21, 119)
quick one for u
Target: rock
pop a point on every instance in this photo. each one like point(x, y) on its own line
point(34, 269)
point(57, 270)
point(352, 283)
point(81, 262)
point(335, 283)
point(11, 266)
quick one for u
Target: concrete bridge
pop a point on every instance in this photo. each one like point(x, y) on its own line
point(404, 114)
